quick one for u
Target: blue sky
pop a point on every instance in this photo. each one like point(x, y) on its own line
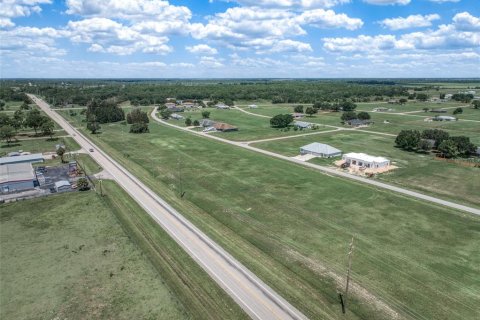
point(239, 38)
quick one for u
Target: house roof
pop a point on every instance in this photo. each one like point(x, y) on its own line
point(446, 117)
point(223, 126)
point(62, 183)
point(365, 157)
point(321, 148)
point(25, 158)
point(357, 122)
point(206, 122)
point(16, 172)
point(302, 124)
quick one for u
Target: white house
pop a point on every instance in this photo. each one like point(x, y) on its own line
point(252, 106)
point(176, 116)
point(320, 150)
point(302, 124)
point(365, 160)
point(444, 118)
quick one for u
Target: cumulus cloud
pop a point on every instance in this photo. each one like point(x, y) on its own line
point(412, 21)
point(10, 9)
point(387, 2)
point(202, 49)
point(268, 29)
point(210, 62)
point(31, 41)
point(306, 4)
point(463, 33)
point(443, 1)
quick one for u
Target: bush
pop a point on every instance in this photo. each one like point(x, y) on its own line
point(139, 128)
point(82, 184)
point(281, 120)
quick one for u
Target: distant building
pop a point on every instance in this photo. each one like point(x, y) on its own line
point(176, 116)
point(448, 96)
point(381, 109)
point(176, 108)
point(206, 122)
point(297, 115)
point(224, 127)
point(444, 118)
point(438, 110)
point(28, 158)
point(16, 177)
point(222, 106)
point(478, 151)
point(252, 106)
point(302, 124)
point(358, 123)
point(62, 185)
point(364, 160)
point(393, 101)
point(320, 150)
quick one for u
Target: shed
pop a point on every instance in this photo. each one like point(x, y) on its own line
point(320, 150)
point(358, 122)
point(176, 116)
point(302, 124)
point(224, 127)
point(62, 185)
point(444, 118)
point(365, 160)
point(252, 106)
point(28, 158)
point(207, 123)
point(222, 106)
point(17, 177)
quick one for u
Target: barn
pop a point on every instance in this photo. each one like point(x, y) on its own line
point(17, 177)
point(320, 150)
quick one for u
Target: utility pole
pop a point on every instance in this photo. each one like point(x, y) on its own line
point(180, 184)
point(350, 256)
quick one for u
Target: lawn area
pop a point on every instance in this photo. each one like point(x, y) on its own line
point(81, 256)
point(291, 226)
point(67, 256)
point(416, 171)
point(39, 145)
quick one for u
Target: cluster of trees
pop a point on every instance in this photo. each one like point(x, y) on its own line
point(105, 111)
point(9, 126)
point(476, 104)
point(462, 97)
point(457, 111)
point(450, 147)
point(310, 111)
point(351, 115)
point(344, 105)
point(138, 120)
point(281, 120)
point(155, 92)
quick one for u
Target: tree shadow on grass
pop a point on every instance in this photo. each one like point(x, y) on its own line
point(9, 145)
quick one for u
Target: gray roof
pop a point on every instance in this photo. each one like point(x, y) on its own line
point(62, 183)
point(320, 148)
point(16, 172)
point(37, 157)
point(207, 122)
point(302, 124)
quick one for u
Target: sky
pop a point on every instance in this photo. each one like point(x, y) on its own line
point(239, 38)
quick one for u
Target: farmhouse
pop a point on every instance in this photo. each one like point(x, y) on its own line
point(320, 150)
point(363, 160)
point(444, 118)
point(206, 123)
point(252, 106)
point(358, 123)
point(176, 116)
point(176, 108)
point(302, 124)
point(62, 185)
point(224, 127)
point(16, 177)
point(438, 110)
point(222, 106)
point(28, 158)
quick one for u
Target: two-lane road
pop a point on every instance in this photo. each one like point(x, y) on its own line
point(257, 299)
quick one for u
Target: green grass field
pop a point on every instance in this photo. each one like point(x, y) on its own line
point(291, 226)
point(416, 171)
point(127, 267)
point(66, 256)
point(39, 145)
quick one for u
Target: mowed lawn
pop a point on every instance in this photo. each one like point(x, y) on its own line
point(291, 226)
point(44, 144)
point(67, 256)
point(415, 170)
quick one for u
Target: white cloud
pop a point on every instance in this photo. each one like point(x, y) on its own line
point(210, 62)
point(461, 34)
point(10, 9)
point(268, 30)
point(109, 36)
point(466, 22)
point(387, 2)
point(202, 49)
point(306, 4)
point(412, 21)
point(31, 41)
point(443, 1)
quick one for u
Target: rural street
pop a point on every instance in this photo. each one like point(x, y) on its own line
point(327, 169)
point(257, 299)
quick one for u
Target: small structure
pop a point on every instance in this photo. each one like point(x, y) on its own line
point(320, 150)
point(224, 127)
point(176, 108)
point(13, 154)
point(206, 123)
point(381, 109)
point(478, 152)
point(16, 177)
point(252, 106)
point(28, 158)
point(448, 96)
point(362, 160)
point(176, 116)
point(297, 115)
point(222, 106)
point(358, 123)
point(444, 118)
point(393, 101)
point(438, 110)
point(302, 124)
point(62, 185)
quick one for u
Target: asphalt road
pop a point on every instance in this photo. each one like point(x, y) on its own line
point(257, 299)
point(331, 171)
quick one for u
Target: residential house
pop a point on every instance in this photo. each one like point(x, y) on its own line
point(320, 150)
point(444, 118)
point(363, 160)
point(206, 123)
point(302, 124)
point(358, 123)
point(224, 127)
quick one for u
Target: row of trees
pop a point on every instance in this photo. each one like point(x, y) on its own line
point(9, 126)
point(351, 115)
point(310, 111)
point(344, 105)
point(450, 147)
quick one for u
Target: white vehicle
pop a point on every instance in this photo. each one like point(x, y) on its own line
point(209, 129)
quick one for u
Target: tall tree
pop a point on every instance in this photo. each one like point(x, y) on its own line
point(205, 114)
point(363, 115)
point(61, 153)
point(310, 111)
point(7, 132)
point(298, 109)
point(408, 139)
point(34, 119)
point(92, 124)
point(47, 128)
